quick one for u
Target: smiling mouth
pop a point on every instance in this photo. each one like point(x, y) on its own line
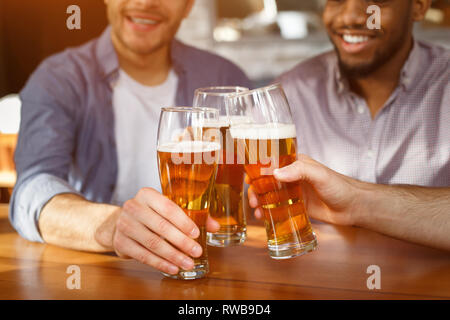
point(143, 21)
point(354, 39)
point(355, 42)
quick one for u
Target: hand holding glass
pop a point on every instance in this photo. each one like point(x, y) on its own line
point(268, 143)
point(188, 153)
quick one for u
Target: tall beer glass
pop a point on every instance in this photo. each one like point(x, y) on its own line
point(188, 154)
point(227, 195)
point(270, 142)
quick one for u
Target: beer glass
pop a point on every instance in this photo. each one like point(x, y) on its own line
point(227, 194)
point(270, 142)
point(188, 154)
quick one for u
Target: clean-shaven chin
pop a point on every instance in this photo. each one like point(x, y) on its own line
point(141, 25)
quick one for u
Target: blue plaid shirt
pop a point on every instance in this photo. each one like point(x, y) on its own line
point(66, 140)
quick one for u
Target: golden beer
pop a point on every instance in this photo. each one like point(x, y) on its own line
point(265, 148)
point(187, 172)
point(227, 194)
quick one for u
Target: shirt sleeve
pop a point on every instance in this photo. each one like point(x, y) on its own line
point(45, 147)
point(29, 199)
point(236, 76)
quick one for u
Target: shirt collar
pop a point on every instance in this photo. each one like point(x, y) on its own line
point(412, 67)
point(341, 81)
point(109, 63)
point(177, 55)
point(106, 55)
point(408, 74)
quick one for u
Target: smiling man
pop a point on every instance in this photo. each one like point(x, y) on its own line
point(374, 115)
point(86, 155)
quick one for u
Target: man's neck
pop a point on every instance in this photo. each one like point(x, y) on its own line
point(379, 85)
point(149, 69)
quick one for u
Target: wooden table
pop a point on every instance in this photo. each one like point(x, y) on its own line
point(336, 270)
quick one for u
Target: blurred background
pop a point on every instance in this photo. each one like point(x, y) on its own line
point(263, 37)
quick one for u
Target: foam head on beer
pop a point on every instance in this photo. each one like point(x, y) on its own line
point(189, 147)
point(191, 152)
point(226, 121)
point(266, 131)
point(264, 144)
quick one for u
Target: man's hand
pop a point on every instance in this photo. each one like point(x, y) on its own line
point(153, 230)
point(411, 213)
point(329, 196)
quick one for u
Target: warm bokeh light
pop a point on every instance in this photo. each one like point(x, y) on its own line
point(10, 114)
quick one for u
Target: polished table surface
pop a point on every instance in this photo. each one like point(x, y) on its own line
point(336, 270)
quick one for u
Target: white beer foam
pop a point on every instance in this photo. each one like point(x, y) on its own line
point(189, 147)
point(225, 121)
point(268, 131)
point(216, 124)
point(240, 119)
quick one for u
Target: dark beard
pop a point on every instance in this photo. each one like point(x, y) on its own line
point(380, 59)
point(366, 69)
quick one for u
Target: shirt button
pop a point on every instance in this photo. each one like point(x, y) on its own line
point(361, 109)
point(370, 154)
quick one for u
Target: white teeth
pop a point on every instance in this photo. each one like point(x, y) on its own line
point(143, 21)
point(354, 39)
